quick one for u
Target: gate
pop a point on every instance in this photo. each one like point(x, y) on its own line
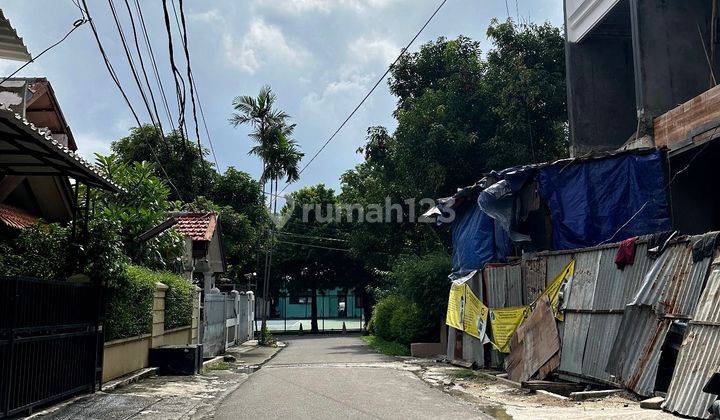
point(50, 342)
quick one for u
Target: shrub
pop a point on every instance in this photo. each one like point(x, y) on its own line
point(178, 300)
point(39, 251)
point(397, 318)
point(423, 280)
point(129, 302)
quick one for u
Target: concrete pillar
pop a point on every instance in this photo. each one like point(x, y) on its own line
point(195, 323)
point(158, 315)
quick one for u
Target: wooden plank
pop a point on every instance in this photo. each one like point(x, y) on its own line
point(534, 343)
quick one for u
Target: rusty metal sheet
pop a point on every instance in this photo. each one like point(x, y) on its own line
point(534, 274)
point(699, 357)
point(534, 343)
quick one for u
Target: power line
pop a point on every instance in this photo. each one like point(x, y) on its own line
point(177, 77)
point(142, 67)
point(193, 86)
point(322, 238)
point(131, 62)
point(156, 72)
point(183, 39)
point(114, 77)
point(404, 50)
point(78, 23)
point(314, 246)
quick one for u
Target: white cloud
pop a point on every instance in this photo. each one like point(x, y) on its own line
point(90, 143)
point(369, 49)
point(262, 43)
point(325, 6)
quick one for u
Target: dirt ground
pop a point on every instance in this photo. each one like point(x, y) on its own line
point(503, 401)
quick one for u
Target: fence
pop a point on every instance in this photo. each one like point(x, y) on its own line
point(287, 313)
point(127, 355)
point(49, 342)
point(227, 320)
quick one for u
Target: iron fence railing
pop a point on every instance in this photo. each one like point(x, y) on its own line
point(50, 341)
point(289, 313)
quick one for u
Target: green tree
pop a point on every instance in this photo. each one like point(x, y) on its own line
point(271, 133)
point(176, 160)
point(142, 205)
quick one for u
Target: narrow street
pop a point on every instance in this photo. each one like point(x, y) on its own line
point(338, 377)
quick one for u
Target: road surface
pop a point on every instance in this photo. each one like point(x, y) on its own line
point(330, 377)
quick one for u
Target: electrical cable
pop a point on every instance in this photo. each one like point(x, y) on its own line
point(144, 72)
point(78, 23)
point(177, 77)
point(404, 50)
point(314, 246)
point(131, 62)
point(113, 76)
point(193, 86)
point(323, 238)
point(156, 72)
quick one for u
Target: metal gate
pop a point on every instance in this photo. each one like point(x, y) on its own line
point(50, 342)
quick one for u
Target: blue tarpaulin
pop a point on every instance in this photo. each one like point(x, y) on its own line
point(605, 200)
point(476, 240)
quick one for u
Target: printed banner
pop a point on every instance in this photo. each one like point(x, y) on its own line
point(503, 323)
point(553, 289)
point(456, 306)
point(476, 315)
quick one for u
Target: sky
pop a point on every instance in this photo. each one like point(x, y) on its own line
point(319, 56)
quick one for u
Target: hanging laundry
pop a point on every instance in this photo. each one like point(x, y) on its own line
point(626, 253)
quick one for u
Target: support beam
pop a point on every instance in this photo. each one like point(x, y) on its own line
point(8, 184)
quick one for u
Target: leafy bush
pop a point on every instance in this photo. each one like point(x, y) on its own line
point(397, 318)
point(178, 300)
point(39, 251)
point(423, 280)
point(129, 304)
point(413, 306)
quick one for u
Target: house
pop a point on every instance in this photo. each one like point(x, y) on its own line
point(32, 190)
point(204, 256)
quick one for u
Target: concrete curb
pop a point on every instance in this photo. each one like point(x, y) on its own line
point(213, 361)
point(128, 379)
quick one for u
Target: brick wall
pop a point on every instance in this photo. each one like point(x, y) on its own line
point(680, 123)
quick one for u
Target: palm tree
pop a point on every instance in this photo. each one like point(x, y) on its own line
point(273, 144)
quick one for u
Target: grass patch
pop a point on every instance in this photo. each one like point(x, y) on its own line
point(388, 348)
point(218, 366)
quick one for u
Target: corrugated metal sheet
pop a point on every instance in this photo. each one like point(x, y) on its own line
point(11, 45)
point(504, 287)
point(594, 310)
point(534, 272)
point(699, 357)
point(671, 289)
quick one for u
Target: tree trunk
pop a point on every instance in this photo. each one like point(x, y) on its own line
point(266, 278)
point(314, 311)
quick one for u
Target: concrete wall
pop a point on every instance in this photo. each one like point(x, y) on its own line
point(127, 355)
point(642, 59)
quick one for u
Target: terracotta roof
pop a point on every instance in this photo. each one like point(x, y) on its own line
point(196, 226)
point(16, 218)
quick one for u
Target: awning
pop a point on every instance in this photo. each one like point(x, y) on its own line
point(27, 152)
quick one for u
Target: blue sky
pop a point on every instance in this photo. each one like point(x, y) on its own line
point(320, 56)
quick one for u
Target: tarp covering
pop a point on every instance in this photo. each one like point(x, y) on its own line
point(605, 200)
point(476, 240)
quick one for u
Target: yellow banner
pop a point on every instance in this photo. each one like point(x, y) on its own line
point(456, 306)
point(553, 289)
point(503, 323)
point(476, 315)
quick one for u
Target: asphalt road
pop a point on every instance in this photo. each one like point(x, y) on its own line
point(330, 377)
